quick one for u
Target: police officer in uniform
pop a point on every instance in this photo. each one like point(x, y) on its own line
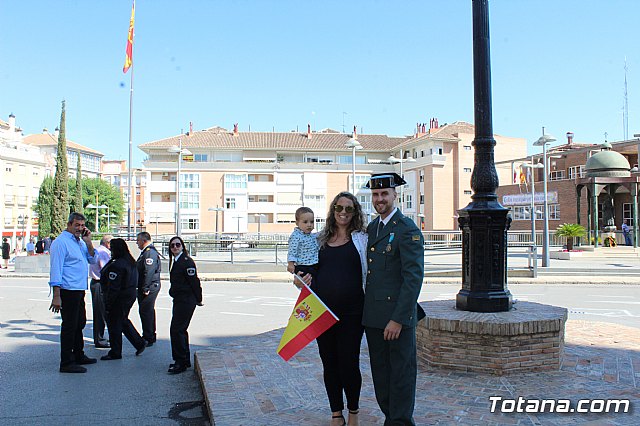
point(119, 279)
point(394, 280)
point(187, 294)
point(148, 265)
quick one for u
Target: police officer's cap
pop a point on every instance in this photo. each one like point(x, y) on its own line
point(385, 180)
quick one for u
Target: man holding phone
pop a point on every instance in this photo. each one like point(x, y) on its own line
point(70, 254)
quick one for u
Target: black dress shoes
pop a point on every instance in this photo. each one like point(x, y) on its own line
point(108, 357)
point(102, 344)
point(86, 360)
point(72, 368)
point(142, 348)
point(177, 368)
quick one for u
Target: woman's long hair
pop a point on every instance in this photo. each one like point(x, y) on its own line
point(185, 252)
point(357, 219)
point(120, 250)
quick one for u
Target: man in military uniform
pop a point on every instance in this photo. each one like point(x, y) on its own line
point(396, 270)
point(148, 265)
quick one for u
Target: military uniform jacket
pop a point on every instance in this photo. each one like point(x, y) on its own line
point(184, 279)
point(116, 276)
point(395, 275)
point(148, 265)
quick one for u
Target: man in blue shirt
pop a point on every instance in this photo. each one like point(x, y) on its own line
point(70, 253)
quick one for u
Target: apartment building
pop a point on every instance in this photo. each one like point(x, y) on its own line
point(22, 168)
point(48, 144)
point(238, 182)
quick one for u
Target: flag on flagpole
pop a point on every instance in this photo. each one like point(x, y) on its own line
point(128, 60)
point(309, 319)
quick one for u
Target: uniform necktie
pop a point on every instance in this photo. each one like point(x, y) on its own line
point(380, 228)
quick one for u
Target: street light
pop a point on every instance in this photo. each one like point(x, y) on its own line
point(181, 152)
point(93, 206)
point(217, 210)
point(394, 160)
point(543, 141)
point(238, 217)
point(259, 216)
point(532, 212)
point(354, 145)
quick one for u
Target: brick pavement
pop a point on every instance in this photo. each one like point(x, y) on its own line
point(247, 383)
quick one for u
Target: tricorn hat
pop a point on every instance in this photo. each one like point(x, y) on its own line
point(385, 180)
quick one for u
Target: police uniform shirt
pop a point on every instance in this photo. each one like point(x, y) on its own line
point(116, 276)
point(184, 279)
point(148, 265)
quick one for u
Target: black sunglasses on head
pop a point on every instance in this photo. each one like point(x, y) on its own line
point(339, 208)
point(176, 245)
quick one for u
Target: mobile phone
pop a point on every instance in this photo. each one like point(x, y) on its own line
point(85, 232)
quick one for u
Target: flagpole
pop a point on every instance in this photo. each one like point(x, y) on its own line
point(131, 194)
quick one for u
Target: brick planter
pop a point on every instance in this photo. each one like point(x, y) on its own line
point(528, 338)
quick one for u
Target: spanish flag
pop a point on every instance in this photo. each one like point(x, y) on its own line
point(128, 60)
point(310, 318)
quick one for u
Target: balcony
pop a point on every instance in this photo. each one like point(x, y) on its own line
point(157, 207)
point(8, 199)
point(161, 186)
point(22, 200)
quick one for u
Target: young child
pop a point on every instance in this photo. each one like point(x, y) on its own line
point(303, 245)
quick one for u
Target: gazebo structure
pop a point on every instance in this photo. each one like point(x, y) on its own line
point(607, 173)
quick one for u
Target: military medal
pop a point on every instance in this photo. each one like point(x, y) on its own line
point(391, 236)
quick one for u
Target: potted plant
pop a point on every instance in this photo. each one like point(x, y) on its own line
point(570, 231)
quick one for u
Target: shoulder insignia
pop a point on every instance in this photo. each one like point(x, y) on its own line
point(149, 261)
point(415, 237)
point(191, 272)
point(113, 275)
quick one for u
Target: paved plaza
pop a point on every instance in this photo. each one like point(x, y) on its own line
point(244, 381)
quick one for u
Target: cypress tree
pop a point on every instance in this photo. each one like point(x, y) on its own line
point(60, 206)
point(77, 204)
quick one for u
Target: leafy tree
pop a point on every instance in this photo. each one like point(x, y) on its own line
point(44, 206)
point(60, 210)
point(107, 195)
point(76, 203)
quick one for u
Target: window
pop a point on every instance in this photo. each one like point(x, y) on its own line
point(627, 214)
point(189, 181)
point(520, 213)
point(365, 203)
point(201, 158)
point(291, 198)
point(467, 192)
point(554, 211)
point(8, 167)
point(189, 200)
point(467, 147)
point(576, 171)
point(409, 200)
point(261, 198)
point(557, 175)
point(230, 203)
point(421, 176)
point(36, 171)
point(22, 169)
point(421, 198)
point(189, 223)
point(260, 178)
point(233, 181)
point(8, 213)
point(467, 169)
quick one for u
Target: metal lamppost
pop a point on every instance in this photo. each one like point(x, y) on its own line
point(217, 210)
point(108, 216)
point(394, 160)
point(181, 152)
point(532, 212)
point(238, 217)
point(484, 221)
point(544, 140)
point(23, 219)
point(354, 145)
point(259, 216)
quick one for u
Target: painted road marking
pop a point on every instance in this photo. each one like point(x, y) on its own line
point(240, 313)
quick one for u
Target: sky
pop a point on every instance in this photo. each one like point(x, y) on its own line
point(382, 66)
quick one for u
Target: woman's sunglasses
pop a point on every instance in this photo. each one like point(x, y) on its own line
point(176, 245)
point(339, 208)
